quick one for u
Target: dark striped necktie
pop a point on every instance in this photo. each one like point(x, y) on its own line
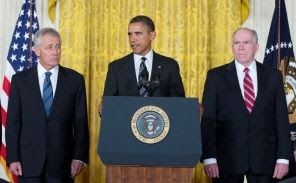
point(47, 93)
point(143, 77)
point(249, 94)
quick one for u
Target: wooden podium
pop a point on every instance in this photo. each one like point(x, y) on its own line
point(134, 174)
point(130, 160)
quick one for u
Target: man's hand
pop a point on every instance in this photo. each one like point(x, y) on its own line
point(16, 168)
point(76, 167)
point(100, 108)
point(212, 170)
point(280, 170)
point(201, 110)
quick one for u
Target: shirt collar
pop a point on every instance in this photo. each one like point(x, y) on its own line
point(41, 70)
point(240, 67)
point(149, 56)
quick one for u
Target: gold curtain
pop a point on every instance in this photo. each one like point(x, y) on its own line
point(197, 33)
point(51, 9)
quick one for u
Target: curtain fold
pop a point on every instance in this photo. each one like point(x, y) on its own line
point(52, 9)
point(196, 33)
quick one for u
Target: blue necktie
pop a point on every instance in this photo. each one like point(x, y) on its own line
point(47, 93)
point(143, 77)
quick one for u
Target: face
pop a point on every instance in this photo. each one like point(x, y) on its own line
point(49, 51)
point(140, 38)
point(244, 47)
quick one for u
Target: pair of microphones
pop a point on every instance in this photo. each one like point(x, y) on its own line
point(153, 84)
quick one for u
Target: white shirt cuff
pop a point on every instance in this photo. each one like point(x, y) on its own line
point(210, 161)
point(284, 161)
point(214, 161)
point(80, 161)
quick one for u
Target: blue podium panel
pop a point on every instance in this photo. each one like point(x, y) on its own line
point(119, 146)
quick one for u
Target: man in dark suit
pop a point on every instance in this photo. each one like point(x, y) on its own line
point(143, 69)
point(47, 126)
point(245, 121)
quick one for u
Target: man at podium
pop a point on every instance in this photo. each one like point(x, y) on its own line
point(143, 72)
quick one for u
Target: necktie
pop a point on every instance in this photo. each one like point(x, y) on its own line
point(249, 95)
point(143, 77)
point(47, 93)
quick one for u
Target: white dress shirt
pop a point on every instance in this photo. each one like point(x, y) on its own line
point(148, 63)
point(241, 74)
point(53, 77)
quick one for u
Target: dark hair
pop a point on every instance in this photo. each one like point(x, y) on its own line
point(145, 20)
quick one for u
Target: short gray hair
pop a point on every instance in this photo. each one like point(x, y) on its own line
point(45, 31)
point(254, 33)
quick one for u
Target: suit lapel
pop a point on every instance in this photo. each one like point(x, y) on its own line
point(155, 65)
point(33, 83)
point(62, 79)
point(261, 80)
point(233, 82)
point(130, 71)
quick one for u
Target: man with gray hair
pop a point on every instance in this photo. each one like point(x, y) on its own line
point(47, 126)
point(245, 127)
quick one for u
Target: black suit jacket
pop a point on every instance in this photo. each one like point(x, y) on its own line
point(37, 140)
point(289, 180)
point(121, 78)
point(238, 140)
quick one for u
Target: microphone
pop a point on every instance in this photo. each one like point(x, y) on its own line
point(145, 75)
point(152, 85)
point(144, 79)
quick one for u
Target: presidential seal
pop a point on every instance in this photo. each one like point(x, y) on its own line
point(287, 67)
point(150, 124)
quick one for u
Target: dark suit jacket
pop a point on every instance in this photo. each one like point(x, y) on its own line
point(121, 78)
point(37, 140)
point(238, 140)
point(290, 180)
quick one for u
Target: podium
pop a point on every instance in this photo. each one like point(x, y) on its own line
point(149, 139)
